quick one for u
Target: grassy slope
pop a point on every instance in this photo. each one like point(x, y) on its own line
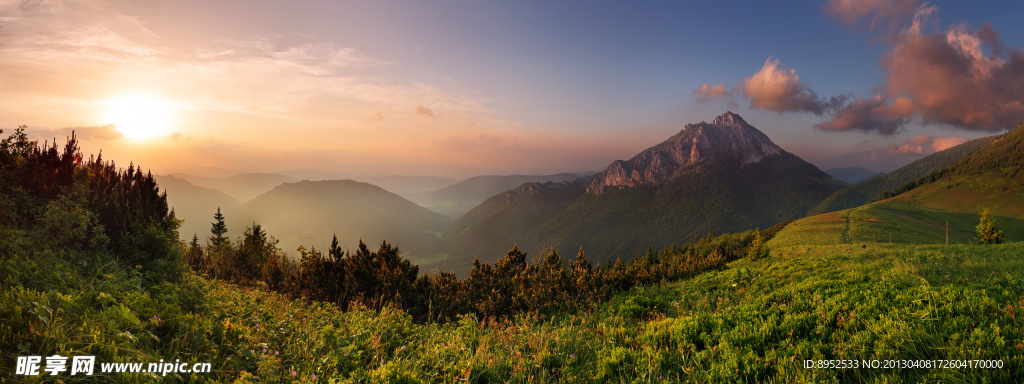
point(989, 177)
point(755, 321)
point(859, 194)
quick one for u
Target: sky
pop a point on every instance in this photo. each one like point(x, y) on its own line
point(462, 88)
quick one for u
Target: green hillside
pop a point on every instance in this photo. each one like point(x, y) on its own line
point(988, 177)
point(859, 194)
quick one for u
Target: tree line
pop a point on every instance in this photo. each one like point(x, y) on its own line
point(85, 207)
point(514, 284)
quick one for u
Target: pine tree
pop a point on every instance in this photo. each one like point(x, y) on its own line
point(757, 249)
point(218, 229)
point(194, 254)
point(987, 231)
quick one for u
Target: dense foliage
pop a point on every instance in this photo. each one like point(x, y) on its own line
point(85, 207)
point(513, 285)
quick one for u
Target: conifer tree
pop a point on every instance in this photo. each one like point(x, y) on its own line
point(987, 231)
point(218, 229)
point(757, 249)
point(194, 255)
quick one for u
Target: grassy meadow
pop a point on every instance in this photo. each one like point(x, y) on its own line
point(752, 322)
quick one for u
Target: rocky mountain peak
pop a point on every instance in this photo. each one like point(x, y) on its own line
point(728, 139)
point(729, 119)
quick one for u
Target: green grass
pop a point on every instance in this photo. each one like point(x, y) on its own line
point(755, 321)
point(919, 216)
point(827, 228)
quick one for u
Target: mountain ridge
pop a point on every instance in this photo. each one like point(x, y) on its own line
point(724, 176)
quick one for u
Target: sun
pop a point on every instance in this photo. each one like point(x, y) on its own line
point(139, 117)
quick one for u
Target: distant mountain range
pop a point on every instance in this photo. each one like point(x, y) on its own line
point(723, 176)
point(309, 213)
point(852, 175)
point(457, 199)
point(241, 187)
point(195, 204)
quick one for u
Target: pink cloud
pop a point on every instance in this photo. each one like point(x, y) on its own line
point(424, 111)
point(874, 13)
point(920, 140)
point(876, 114)
point(906, 149)
point(944, 143)
point(776, 89)
point(708, 92)
point(961, 77)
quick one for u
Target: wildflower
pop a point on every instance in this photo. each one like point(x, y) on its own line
point(264, 350)
point(572, 355)
point(293, 373)
point(313, 376)
point(276, 354)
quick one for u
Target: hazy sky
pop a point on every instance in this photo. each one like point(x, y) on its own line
point(456, 88)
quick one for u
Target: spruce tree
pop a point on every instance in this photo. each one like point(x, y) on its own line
point(987, 231)
point(757, 249)
point(218, 229)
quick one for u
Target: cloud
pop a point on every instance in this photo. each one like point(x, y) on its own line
point(102, 132)
point(875, 114)
point(57, 58)
point(708, 92)
point(906, 149)
point(952, 81)
point(944, 143)
point(875, 14)
point(961, 77)
point(776, 89)
point(920, 139)
point(423, 111)
point(917, 145)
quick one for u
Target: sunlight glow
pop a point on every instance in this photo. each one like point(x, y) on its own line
point(139, 117)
